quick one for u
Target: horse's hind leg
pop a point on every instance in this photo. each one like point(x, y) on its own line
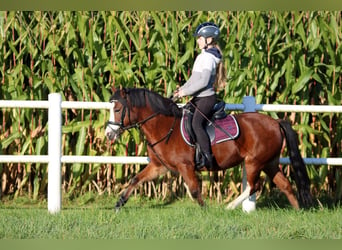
point(245, 194)
point(252, 174)
point(149, 173)
point(278, 178)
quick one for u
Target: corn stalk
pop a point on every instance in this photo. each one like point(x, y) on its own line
point(279, 57)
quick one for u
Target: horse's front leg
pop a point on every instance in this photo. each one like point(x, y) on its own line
point(189, 175)
point(150, 172)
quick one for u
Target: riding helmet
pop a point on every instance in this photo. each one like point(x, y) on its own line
point(207, 29)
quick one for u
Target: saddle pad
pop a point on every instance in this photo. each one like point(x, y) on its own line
point(221, 130)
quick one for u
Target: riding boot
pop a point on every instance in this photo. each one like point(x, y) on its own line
point(206, 160)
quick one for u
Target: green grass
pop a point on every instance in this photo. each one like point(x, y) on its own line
point(92, 217)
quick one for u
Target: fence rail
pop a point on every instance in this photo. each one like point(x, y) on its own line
point(54, 157)
point(75, 159)
point(133, 159)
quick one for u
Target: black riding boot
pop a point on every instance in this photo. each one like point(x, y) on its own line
point(206, 159)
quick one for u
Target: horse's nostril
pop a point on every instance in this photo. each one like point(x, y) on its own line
point(109, 135)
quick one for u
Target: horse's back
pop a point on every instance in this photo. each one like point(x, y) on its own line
point(253, 116)
point(259, 133)
point(257, 122)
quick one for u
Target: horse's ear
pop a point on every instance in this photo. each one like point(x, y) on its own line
point(121, 89)
point(114, 89)
point(123, 92)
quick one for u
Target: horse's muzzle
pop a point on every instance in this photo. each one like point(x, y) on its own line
point(111, 135)
point(112, 132)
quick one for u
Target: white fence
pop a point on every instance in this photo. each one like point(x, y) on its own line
point(54, 157)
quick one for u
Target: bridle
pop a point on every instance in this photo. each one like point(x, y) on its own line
point(121, 125)
point(138, 124)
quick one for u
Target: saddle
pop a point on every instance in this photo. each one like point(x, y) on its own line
point(220, 128)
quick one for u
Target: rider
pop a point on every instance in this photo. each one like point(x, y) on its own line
point(208, 70)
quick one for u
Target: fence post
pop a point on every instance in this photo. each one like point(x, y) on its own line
point(249, 204)
point(54, 151)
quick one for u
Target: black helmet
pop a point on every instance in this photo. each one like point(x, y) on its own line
point(208, 29)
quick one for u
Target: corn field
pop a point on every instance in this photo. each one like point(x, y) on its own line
point(278, 57)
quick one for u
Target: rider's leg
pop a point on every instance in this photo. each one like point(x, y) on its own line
point(201, 115)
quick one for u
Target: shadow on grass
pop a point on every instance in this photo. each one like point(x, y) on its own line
point(276, 199)
point(273, 199)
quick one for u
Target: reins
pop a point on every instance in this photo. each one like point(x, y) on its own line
point(167, 137)
point(136, 125)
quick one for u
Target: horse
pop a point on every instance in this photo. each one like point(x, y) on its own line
point(258, 145)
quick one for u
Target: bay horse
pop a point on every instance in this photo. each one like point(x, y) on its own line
point(259, 145)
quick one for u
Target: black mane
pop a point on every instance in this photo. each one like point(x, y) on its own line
point(138, 97)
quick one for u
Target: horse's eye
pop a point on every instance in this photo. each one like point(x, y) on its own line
point(116, 110)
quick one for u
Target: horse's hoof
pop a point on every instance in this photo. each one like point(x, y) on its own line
point(230, 206)
point(117, 207)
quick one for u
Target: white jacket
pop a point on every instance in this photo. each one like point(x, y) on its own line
point(203, 74)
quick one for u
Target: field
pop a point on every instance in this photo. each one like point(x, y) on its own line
point(279, 57)
point(92, 217)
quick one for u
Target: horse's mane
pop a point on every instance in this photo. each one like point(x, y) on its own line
point(138, 97)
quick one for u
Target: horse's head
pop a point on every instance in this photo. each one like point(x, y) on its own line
point(119, 118)
point(135, 107)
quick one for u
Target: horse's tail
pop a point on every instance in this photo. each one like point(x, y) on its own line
point(299, 169)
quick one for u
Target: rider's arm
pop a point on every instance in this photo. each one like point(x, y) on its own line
point(198, 81)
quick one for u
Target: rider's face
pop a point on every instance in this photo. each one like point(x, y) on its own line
point(201, 42)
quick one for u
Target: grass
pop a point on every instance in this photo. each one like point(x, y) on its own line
point(92, 217)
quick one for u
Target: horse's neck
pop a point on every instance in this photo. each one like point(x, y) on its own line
point(157, 127)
